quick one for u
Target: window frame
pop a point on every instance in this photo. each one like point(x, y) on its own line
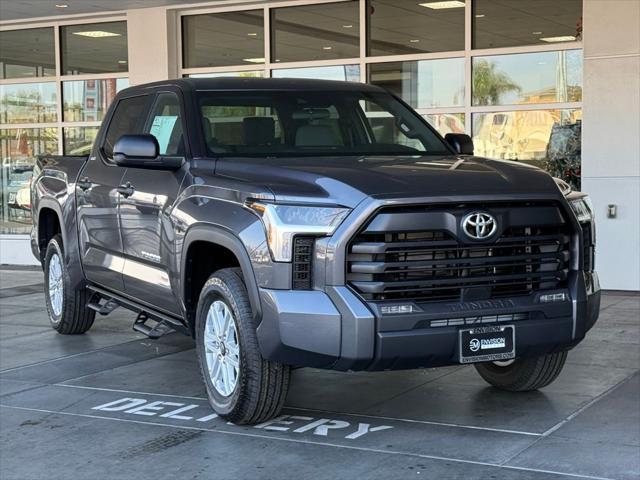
point(468, 53)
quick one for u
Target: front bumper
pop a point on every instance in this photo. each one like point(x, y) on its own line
point(336, 329)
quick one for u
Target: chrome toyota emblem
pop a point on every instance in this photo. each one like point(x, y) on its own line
point(479, 225)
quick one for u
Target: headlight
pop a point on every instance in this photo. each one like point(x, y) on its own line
point(583, 208)
point(283, 222)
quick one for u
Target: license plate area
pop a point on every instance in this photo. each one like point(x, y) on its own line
point(487, 344)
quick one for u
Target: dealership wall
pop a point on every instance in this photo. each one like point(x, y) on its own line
point(611, 136)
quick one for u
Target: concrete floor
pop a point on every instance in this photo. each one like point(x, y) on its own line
point(112, 404)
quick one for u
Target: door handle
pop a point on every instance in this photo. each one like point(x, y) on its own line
point(84, 184)
point(126, 190)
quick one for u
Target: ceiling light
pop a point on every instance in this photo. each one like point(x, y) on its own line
point(61, 5)
point(480, 15)
point(254, 60)
point(562, 38)
point(122, 61)
point(347, 26)
point(537, 33)
point(327, 48)
point(252, 34)
point(443, 5)
point(97, 34)
point(415, 40)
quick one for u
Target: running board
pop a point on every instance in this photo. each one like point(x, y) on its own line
point(149, 322)
point(104, 308)
point(154, 331)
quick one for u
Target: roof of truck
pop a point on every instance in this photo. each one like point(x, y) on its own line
point(237, 83)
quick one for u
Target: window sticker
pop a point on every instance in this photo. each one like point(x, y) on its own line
point(162, 128)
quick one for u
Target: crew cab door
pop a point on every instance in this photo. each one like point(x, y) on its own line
point(98, 198)
point(150, 271)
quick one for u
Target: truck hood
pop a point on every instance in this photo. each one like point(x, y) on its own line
point(348, 180)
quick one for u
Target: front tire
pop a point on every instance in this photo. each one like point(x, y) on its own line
point(67, 306)
point(523, 374)
point(242, 387)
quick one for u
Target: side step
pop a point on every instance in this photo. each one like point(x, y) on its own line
point(154, 331)
point(149, 322)
point(104, 308)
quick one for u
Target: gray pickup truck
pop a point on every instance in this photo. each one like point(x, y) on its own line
point(303, 223)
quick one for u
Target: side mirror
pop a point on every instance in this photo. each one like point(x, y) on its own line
point(143, 151)
point(460, 142)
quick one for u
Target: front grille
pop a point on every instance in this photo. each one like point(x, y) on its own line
point(420, 264)
point(475, 320)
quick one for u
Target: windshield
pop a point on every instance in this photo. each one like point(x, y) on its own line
point(299, 123)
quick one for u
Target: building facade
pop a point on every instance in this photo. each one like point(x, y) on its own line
point(553, 83)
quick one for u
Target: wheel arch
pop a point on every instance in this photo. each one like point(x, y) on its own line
point(49, 224)
point(218, 238)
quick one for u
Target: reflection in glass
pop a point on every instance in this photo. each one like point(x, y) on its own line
point(248, 74)
point(446, 122)
point(220, 39)
point(348, 73)
point(500, 23)
point(400, 27)
point(542, 77)
point(315, 32)
point(27, 53)
point(18, 150)
point(78, 140)
point(28, 103)
point(549, 139)
point(88, 100)
point(423, 84)
point(94, 48)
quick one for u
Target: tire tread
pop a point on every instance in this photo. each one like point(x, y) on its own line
point(76, 318)
point(264, 384)
point(524, 374)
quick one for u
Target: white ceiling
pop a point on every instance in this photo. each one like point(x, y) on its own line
point(12, 10)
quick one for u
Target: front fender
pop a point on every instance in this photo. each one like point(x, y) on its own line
point(225, 238)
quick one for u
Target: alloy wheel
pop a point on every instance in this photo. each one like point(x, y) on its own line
point(56, 284)
point(222, 348)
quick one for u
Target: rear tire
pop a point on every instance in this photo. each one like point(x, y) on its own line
point(242, 387)
point(67, 307)
point(524, 374)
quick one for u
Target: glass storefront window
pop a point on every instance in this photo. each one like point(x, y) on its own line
point(423, 84)
point(27, 53)
point(543, 77)
point(249, 74)
point(446, 122)
point(315, 32)
point(88, 100)
point(221, 39)
point(498, 23)
point(400, 27)
point(18, 150)
point(78, 140)
point(28, 103)
point(549, 139)
point(349, 73)
point(94, 48)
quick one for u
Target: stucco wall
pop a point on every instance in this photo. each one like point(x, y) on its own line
point(611, 135)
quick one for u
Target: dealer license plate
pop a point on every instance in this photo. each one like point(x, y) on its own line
point(487, 344)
